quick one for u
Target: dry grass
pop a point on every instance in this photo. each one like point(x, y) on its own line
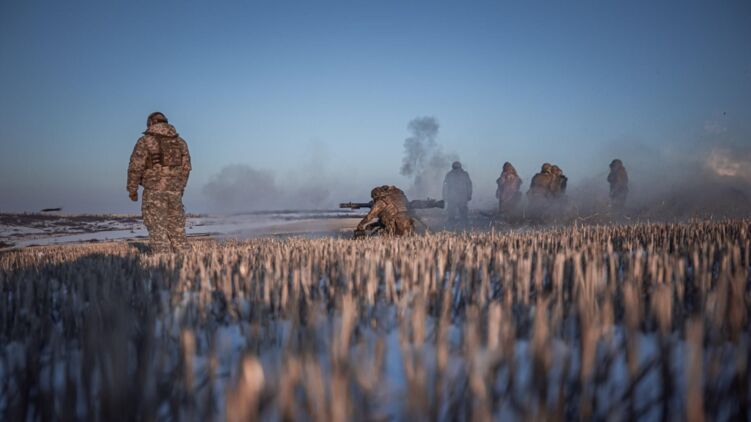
point(567, 323)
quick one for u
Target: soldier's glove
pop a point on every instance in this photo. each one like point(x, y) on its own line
point(133, 196)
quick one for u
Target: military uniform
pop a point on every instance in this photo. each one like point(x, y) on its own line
point(508, 193)
point(618, 179)
point(539, 187)
point(457, 191)
point(559, 182)
point(390, 208)
point(160, 162)
point(539, 193)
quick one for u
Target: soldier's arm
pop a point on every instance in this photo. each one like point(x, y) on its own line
point(374, 211)
point(469, 188)
point(137, 165)
point(186, 166)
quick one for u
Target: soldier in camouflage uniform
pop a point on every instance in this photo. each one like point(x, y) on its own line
point(457, 192)
point(508, 193)
point(539, 187)
point(618, 179)
point(559, 182)
point(390, 208)
point(539, 192)
point(161, 164)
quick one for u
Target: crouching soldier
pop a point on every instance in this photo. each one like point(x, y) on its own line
point(390, 208)
point(160, 162)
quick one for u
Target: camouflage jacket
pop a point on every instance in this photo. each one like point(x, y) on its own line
point(618, 179)
point(388, 207)
point(160, 161)
point(508, 186)
point(457, 186)
point(558, 185)
point(540, 184)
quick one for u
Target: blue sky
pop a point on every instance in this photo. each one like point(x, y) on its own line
point(324, 90)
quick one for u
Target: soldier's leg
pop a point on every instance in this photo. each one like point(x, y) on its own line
point(404, 225)
point(451, 211)
point(463, 211)
point(153, 210)
point(176, 222)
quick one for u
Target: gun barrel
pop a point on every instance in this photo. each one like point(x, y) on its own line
point(356, 205)
point(419, 204)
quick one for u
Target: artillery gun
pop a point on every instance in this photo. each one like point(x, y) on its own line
point(417, 204)
point(375, 228)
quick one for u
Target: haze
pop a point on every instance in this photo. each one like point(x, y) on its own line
point(308, 104)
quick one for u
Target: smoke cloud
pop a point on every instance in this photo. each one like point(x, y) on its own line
point(424, 160)
point(241, 187)
point(692, 179)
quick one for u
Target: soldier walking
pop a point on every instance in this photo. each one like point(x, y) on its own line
point(618, 179)
point(508, 193)
point(160, 162)
point(457, 191)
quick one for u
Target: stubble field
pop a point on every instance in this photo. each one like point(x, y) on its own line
point(579, 322)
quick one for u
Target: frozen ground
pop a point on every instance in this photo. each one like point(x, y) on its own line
point(23, 230)
point(618, 322)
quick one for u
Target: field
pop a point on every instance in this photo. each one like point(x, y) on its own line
point(585, 322)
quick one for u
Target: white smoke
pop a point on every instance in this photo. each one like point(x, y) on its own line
point(424, 160)
point(724, 162)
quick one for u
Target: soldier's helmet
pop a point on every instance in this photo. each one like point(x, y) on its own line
point(156, 117)
point(616, 163)
point(456, 165)
point(507, 167)
point(546, 167)
point(556, 170)
point(379, 191)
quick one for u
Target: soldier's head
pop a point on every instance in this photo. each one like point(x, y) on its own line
point(379, 191)
point(616, 163)
point(556, 171)
point(507, 167)
point(456, 165)
point(156, 117)
point(546, 168)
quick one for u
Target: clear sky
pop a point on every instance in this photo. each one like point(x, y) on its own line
point(324, 90)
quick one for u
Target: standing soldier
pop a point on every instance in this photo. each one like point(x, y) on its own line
point(618, 179)
point(539, 192)
point(390, 208)
point(161, 164)
point(457, 191)
point(508, 193)
point(559, 182)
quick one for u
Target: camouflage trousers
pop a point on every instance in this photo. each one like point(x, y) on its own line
point(164, 217)
point(399, 225)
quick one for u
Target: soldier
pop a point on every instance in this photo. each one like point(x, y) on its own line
point(161, 164)
point(390, 207)
point(508, 193)
point(539, 187)
point(618, 179)
point(539, 192)
point(559, 182)
point(457, 191)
